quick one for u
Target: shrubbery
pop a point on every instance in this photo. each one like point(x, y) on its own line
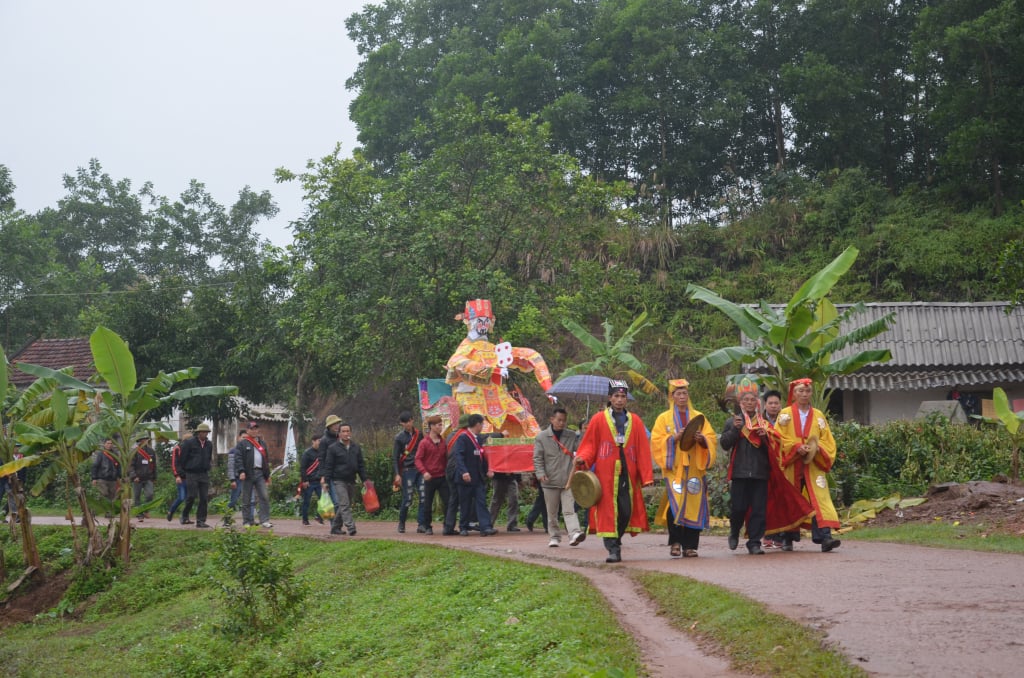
point(906, 457)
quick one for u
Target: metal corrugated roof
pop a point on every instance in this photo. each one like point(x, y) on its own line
point(912, 380)
point(938, 345)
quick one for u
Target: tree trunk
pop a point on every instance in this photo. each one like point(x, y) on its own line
point(28, 538)
point(94, 544)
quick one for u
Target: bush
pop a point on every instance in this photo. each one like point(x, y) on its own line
point(906, 457)
point(261, 595)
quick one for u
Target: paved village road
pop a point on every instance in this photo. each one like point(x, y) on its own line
point(893, 610)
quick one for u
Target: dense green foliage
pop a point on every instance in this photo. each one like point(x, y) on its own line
point(701, 103)
point(580, 161)
point(905, 457)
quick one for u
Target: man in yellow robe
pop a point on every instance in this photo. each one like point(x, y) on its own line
point(476, 372)
point(684, 508)
point(808, 452)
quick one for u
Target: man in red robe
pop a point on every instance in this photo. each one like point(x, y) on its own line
point(617, 447)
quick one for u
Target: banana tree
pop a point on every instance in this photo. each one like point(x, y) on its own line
point(10, 465)
point(612, 357)
point(121, 406)
point(799, 340)
point(1013, 422)
point(51, 428)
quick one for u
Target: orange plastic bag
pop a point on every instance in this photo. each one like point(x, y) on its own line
point(370, 501)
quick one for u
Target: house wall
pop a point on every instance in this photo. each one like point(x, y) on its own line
point(884, 406)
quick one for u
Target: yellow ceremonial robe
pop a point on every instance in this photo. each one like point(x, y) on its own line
point(686, 488)
point(811, 476)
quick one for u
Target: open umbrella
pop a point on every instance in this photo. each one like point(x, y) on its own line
point(582, 387)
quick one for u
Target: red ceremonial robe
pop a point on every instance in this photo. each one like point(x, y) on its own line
point(599, 450)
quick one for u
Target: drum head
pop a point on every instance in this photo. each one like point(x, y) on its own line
point(690, 432)
point(586, 488)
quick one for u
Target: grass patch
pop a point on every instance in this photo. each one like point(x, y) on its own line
point(377, 608)
point(943, 534)
point(755, 641)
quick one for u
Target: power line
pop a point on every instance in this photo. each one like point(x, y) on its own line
point(115, 292)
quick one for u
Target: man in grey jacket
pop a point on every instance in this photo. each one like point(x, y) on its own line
point(554, 449)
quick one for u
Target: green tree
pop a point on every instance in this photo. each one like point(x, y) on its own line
point(799, 340)
point(123, 408)
point(1012, 422)
point(612, 356)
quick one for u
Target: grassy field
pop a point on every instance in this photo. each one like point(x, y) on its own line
point(943, 534)
point(376, 608)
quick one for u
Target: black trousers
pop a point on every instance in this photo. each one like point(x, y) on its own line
point(749, 503)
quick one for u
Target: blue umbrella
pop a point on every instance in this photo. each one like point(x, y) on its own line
point(582, 387)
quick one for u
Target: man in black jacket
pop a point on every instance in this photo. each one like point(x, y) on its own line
point(195, 459)
point(255, 475)
point(106, 472)
point(343, 461)
point(309, 483)
point(142, 472)
point(746, 435)
point(407, 476)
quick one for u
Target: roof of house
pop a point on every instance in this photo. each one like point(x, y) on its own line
point(55, 354)
point(939, 345)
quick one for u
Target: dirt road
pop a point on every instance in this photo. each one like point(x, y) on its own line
point(893, 610)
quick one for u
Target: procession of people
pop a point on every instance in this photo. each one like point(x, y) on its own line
point(601, 479)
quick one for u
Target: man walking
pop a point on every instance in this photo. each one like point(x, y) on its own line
point(470, 471)
point(343, 461)
point(179, 477)
point(617, 447)
point(553, 452)
point(808, 452)
point(431, 459)
point(196, 458)
point(407, 476)
point(685, 507)
point(255, 475)
point(310, 471)
point(106, 472)
point(751, 442)
point(142, 472)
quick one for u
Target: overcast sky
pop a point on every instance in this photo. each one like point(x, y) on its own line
point(223, 91)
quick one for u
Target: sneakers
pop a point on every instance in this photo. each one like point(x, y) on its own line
point(401, 528)
point(577, 538)
point(267, 525)
point(770, 545)
point(488, 532)
point(202, 525)
point(554, 542)
point(734, 541)
point(428, 530)
point(421, 530)
point(614, 557)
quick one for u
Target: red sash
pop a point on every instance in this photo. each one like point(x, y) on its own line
point(142, 453)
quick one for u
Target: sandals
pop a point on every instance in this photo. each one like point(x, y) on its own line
point(675, 551)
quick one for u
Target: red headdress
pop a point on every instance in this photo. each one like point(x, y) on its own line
point(792, 387)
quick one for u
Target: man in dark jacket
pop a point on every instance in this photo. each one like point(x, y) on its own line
point(142, 472)
point(343, 461)
point(746, 436)
point(470, 472)
point(195, 459)
point(255, 475)
point(310, 468)
point(106, 471)
point(407, 476)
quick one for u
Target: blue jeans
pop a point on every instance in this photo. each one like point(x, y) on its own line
point(181, 497)
point(307, 495)
point(412, 482)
